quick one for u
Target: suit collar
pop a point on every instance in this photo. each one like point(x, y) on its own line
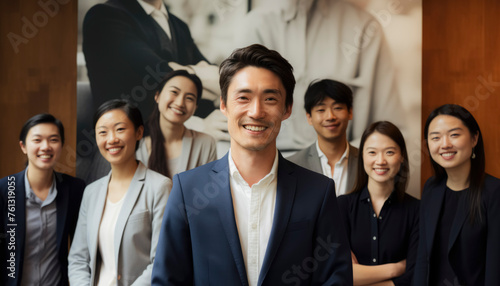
point(285, 195)
point(432, 215)
point(133, 192)
point(224, 204)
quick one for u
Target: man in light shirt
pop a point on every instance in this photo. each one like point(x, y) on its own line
point(328, 105)
point(252, 217)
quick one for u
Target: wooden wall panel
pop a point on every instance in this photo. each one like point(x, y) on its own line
point(38, 73)
point(461, 65)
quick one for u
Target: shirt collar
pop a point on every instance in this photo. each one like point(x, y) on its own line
point(291, 8)
point(344, 156)
point(31, 195)
point(235, 173)
point(149, 9)
point(365, 195)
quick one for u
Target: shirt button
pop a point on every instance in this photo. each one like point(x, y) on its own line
point(368, 199)
point(374, 238)
point(374, 260)
point(380, 217)
point(374, 215)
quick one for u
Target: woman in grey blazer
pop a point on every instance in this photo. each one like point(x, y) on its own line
point(172, 148)
point(121, 213)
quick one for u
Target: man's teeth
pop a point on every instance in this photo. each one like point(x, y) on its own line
point(255, 128)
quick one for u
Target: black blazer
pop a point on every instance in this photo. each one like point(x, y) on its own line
point(474, 250)
point(127, 53)
point(13, 217)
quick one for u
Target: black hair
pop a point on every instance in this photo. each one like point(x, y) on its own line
point(38, 119)
point(258, 56)
point(477, 169)
point(126, 106)
point(403, 176)
point(319, 89)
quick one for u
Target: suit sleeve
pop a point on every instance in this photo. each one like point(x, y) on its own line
point(422, 263)
point(492, 273)
point(331, 245)
point(173, 264)
point(79, 256)
point(159, 202)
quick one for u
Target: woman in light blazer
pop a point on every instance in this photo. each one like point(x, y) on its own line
point(121, 213)
point(172, 148)
point(460, 207)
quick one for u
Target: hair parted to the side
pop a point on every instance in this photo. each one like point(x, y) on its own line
point(319, 89)
point(157, 161)
point(477, 170)
point(261, 57)
point(403, 176)
point(133, 113)
point(39, 119)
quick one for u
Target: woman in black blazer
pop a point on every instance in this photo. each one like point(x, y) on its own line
point(38, 210)
point(460, 213)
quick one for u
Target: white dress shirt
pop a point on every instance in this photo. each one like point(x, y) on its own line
point(339, 170)
point(160, 16)
point(254, 213)
point(108, 273)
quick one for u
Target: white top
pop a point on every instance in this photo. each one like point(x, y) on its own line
point(108, 273)
point(339, 170)
point(160, 16)
point(254, 213)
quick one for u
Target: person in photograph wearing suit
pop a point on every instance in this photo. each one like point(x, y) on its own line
point(381, 219)
point(253, 217)
point(120, 217)
point(39, 210)
point(171, 147)
point(460, 213)
point(328, 105)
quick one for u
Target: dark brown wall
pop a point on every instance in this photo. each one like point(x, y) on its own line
point(461, 65)
point(37, 74)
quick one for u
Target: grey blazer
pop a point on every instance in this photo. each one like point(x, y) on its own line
point(198, 149)
point(136, 234)
point(309, 159)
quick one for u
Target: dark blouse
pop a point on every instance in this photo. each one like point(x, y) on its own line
point(389, 238)
point(440, 268)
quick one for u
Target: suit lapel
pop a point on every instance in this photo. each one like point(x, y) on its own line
point(313, 159)
point(133, 192)
point(62, 202)
point(459, 220)
point(187, 145)
point(432, 216)
point(226, 213)
point(285, 195)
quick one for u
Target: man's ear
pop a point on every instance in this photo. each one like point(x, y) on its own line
point(288, 112)
point(222, 106)
point(309, 119)
point(350, 113)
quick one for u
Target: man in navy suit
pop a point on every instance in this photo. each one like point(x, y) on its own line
point(252, 217)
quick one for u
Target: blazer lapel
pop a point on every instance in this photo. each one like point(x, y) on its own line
point(459, 220)
point(187, 145)
point(285, 194)
point(62, 202)
point(96, 210)
point(226, 212)
point(313, 159)
point(432, 216)
point(133, 192)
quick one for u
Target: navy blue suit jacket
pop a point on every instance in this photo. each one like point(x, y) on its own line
point(12, 226)
point(199, 242)
point(474, 250)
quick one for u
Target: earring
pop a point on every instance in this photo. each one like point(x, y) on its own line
point(473, 154)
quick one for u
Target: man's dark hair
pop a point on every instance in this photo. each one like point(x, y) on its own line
point(39, 119)
point(260, 57)
point(319, 89)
